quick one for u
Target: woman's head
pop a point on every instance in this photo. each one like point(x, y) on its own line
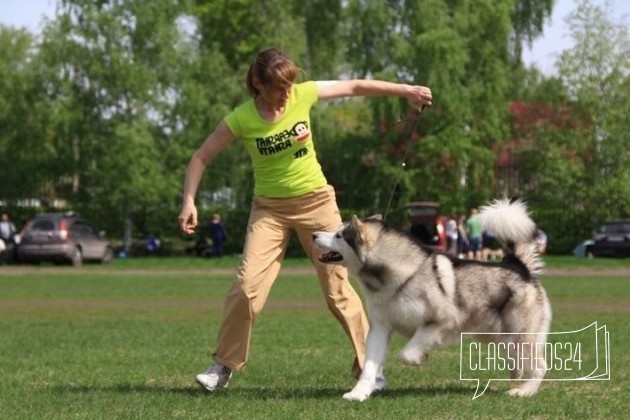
point(271, 69)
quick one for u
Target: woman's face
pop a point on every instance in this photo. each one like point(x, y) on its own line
point(276, 96)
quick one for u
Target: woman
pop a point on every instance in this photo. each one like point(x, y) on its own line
point(290, 194)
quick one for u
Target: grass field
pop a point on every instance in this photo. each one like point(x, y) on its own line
point(124, 341)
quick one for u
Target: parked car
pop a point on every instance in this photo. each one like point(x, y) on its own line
point(425, 222)
point(63, 237)
point(612, 240)
point(583, 249)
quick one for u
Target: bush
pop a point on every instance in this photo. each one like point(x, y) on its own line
point(565, 228)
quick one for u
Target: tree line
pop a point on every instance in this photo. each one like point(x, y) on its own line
point(102, 109)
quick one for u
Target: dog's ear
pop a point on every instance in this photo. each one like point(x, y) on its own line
point(378, 217)
point(355, 222)
point(357, 225)
point(362, 232)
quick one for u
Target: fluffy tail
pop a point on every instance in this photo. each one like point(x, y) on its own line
point(511, 224)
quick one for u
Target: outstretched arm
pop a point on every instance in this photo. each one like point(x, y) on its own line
point(214, 144)
point(417, 96)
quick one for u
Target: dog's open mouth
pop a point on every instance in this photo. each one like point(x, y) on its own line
point(331, 256)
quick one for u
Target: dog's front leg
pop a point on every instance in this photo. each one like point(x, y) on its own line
point(414, 352)
point(375, 354)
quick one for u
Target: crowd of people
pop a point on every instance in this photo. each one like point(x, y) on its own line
point(467, 239)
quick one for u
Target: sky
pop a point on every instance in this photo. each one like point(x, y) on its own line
point(543, 54)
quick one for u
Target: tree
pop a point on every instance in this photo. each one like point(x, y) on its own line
point(151, 79)
point(238, 29)
point(465, 52)
point(528, 18)
point(569, 141)
point(26, 152)
point(112, 69)
point(596, 71)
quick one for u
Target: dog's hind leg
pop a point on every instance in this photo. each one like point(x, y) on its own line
point(375, 354)
point(512, 344)
point(533, 323)
point(534, 365)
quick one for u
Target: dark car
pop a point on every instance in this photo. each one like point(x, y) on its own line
point(425, 223)
point(612, 240)
point(63, 238)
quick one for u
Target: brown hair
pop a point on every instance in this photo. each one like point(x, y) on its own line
point(271, 67)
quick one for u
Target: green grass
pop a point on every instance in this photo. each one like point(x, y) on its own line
point(124, 341)
point(557, 261)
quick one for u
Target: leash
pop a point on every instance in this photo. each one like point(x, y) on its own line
point(416, 117)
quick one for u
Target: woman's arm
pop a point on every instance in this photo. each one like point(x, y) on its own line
point(416, 95)
point(212, 146)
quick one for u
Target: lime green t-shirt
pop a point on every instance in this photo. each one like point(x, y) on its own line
point(282, 152)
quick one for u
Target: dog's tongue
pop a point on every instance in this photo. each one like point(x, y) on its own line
point(330, 256)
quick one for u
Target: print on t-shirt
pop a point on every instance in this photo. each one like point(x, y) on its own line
point(280, 141)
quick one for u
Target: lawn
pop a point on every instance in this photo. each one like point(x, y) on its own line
point(124, 341)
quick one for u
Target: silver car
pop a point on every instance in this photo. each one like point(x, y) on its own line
point(63, 238)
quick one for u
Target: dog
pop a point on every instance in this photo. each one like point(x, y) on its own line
point(430, 297)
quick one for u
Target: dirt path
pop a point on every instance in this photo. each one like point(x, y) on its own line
point(19, 270)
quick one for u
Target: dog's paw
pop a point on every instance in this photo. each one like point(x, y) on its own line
point(413, 356)
point(360, 392)
point(519, 392)
point(355, 395)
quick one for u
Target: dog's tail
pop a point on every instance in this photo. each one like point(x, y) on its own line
point(511, 224)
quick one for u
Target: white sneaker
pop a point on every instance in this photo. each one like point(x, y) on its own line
point(216, 377)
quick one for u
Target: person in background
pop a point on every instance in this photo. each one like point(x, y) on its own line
point(291, 194)
point(8, 239)
point(218, 234)
point(451, 236)
point(491, 248)
point(153, 244)
point(7, 229)
point(463, 244)
point(474, 230)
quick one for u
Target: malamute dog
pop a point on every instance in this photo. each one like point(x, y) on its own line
point(431, 298)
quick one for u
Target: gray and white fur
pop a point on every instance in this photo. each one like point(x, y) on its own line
point(430, 298)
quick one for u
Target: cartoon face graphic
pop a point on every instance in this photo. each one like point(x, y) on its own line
point(301, 131)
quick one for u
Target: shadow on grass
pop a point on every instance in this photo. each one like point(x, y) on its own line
point(286, 393)
point(124, 389)
point(259, 393)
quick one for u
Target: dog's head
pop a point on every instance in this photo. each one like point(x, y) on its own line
point(349, 245)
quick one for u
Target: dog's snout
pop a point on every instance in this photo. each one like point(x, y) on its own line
point(314, 236)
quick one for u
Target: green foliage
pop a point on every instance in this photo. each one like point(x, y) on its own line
point(115, 86)
point(239, 29)
point(597, 73)
point(528, 19)
point(460, 50)
point(108, 105)
point(26, 145)
point(575, 169)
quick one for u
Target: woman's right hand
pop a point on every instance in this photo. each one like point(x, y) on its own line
point(188, 219)
point(420, 96)
point(213, 144)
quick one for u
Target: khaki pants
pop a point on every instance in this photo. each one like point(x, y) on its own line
point(271, 222)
